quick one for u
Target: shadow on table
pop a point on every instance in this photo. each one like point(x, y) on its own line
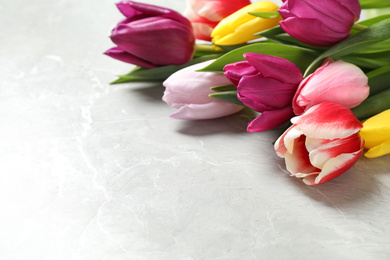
point(150, 91)
point(235, 124)
point(357, 186)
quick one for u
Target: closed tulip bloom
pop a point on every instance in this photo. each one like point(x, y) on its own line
point(376, 133)
point(321, 144)
point(335, 81)
point(319, 23)
point(206, 14)
point(188, 91)
point(266, 84)
point(151, 36)
point(240, 26)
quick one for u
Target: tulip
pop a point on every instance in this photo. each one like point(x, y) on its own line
point(206, 14)
point(321, 144)
point(376, 133)
point(151, 36)
point(319, 23)
point(266, 84)
point(188, 91)
point(240, 26)
point(335, 81)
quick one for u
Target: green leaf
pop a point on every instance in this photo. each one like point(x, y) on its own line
point(229, 96)
point(159, 74)
point(299, 56)
point(379, 80)
point(373, 34)
point(265, 14)
point(367, 4)
point(222, 88)
point(373, 105)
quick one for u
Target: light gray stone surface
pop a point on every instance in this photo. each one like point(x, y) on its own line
point(90, 170)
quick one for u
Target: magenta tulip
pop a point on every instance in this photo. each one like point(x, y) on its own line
point(321, 144)
point(266, 84)
point(335, 81)
point(151, 36)
point(188, 91)
point(319, 23)
point(206, 14)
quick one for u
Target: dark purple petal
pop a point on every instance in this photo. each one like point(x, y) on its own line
point(263, 94)
point(270, 119)
point(119, 54)
point(275, 67)
point(312, 31)
point(235, 71)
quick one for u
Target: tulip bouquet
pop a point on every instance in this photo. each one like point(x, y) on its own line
point(311, 65)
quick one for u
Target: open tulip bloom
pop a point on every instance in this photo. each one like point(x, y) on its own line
point(321, 144)
point(317, 66)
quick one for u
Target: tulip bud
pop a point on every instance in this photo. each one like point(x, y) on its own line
point(376, 133)
point(319, 23)
point(151, 36)
point(321, 144)
point(266, 84)
point(206, 14)
point(188, 91)
point(240, 26)
point(335, 81)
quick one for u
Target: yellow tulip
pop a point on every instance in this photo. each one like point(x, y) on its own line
point(376, 133)
point(240, 26)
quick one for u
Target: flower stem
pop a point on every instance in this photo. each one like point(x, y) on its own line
point(204, 49)
point(359, 27)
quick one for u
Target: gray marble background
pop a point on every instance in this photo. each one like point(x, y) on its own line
point(90, 170)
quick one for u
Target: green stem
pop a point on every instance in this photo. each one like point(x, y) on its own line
point(359, 27)
point(204, 49)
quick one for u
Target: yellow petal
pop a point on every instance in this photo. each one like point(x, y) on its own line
point(240, 26)
point(376, 129)
point(380, 150)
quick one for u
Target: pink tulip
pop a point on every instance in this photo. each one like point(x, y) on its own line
point(321, 144)
point(151, 36)
point(266, 84)
point(335, 81)
point(319, 23)
point(188, 91)
point(206, 14)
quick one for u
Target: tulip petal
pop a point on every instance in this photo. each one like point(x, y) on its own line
point(214, 109)
point(119, 54)
point(264, 94)
point(270, 119)
point(297, 162)
point(320, 34)
point(376, 129)
point(275, 67)
point(335, 167)
point(328, 121)
point(143, 40)
point(379, 150)
point(235, 71)
point(338, 82)
point(322, 150)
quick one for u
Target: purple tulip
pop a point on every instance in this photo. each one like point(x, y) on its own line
point(319, 23)
point(266, 84)
point(151, 36)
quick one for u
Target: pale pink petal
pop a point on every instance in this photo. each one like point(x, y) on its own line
point(214, 109)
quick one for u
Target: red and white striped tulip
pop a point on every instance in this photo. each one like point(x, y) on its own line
point(206, 14)
point(321, 144)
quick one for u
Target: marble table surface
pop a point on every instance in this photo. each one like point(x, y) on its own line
point(90, 170)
